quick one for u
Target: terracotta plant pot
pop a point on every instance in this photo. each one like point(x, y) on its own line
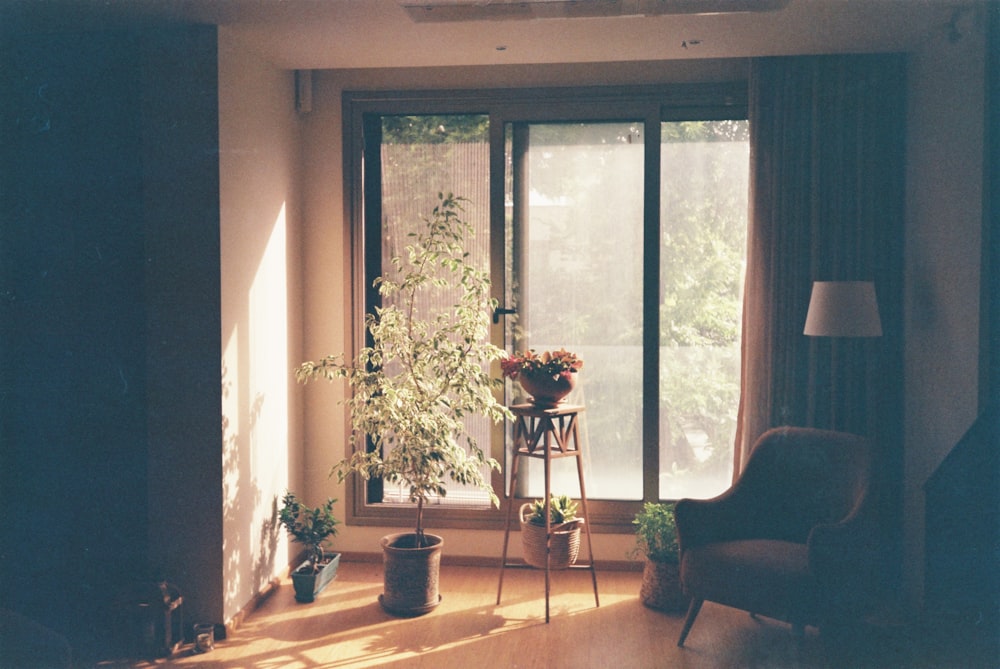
point(545, 391)
point(411, 574)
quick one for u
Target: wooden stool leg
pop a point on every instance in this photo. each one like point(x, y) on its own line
point(506, 532)
point(586, 511)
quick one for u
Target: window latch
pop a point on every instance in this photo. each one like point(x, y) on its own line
point(501, 311)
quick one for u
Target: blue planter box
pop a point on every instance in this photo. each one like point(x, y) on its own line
point(308, 585)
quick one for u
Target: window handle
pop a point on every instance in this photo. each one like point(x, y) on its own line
point(501, 311)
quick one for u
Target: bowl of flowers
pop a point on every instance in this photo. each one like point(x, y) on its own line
point(547, 377)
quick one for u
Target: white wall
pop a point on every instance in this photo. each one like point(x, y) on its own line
point(943, 226)
point(260, 218)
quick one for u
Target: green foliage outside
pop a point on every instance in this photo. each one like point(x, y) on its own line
point(702, 259)
point(434, 129)
point(702, 255)
point(590, 175)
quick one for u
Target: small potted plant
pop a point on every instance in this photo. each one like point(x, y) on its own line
point(310, 527)
point(564, 526)
point(547, 377)
point(656, 540)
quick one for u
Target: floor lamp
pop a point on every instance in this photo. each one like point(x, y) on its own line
point(844, 309)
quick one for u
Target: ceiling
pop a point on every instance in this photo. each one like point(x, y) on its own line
point(307, 34)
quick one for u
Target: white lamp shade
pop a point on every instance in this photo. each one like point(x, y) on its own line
point(843, 309)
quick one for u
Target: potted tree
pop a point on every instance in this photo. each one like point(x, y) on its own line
point(310, 527)
point(564, 525)
point(656, 541)
point(424, 371)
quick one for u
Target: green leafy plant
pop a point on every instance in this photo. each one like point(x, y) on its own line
point(308, 526)
point(549, 363)
point(425, 369)
point(562, 509)
point(656, 533)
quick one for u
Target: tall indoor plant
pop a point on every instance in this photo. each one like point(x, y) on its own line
point(422, 373)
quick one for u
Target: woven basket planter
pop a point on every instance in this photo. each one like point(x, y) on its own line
point(661, 587)
point(565, 545)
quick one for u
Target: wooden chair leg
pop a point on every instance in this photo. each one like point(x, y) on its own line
point(692, 613)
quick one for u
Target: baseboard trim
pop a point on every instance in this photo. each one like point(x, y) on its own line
point(262, 596)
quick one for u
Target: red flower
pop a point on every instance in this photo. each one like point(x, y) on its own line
point(554, 363)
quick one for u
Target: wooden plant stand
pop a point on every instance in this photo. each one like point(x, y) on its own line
point(547, 434)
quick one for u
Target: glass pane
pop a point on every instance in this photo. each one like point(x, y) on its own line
point(703, 222)
point(421, 157)
point(576, 206)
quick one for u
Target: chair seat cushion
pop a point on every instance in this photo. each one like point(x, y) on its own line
point(765, 576)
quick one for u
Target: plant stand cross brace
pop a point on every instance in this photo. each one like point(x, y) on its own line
point(547, 434)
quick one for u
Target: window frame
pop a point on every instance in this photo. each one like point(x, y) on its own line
point(652, 104)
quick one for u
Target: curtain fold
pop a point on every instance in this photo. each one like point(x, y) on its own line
point(826, 191)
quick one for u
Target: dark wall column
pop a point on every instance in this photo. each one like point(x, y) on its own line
point(110, 395)
point(72, 326)
point(180, 157)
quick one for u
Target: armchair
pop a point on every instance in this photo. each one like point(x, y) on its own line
point(792, 539)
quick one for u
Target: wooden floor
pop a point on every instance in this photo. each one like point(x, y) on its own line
point(346, 628)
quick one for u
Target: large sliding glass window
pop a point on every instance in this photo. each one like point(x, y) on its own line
point(613, 224)
point(422, 156)
point(576, 231)
point(703, 222)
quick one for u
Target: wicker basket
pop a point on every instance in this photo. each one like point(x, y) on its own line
point(565, 544)
point(661, 587)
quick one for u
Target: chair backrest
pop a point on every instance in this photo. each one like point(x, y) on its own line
point(800, 477)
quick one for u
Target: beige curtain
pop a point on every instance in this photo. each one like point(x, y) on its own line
point(827, 165)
